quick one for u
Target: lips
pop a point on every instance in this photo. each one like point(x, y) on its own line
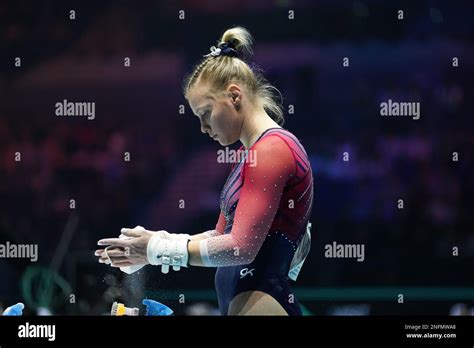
point(214, 136)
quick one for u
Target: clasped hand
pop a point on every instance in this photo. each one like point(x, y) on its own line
point(128, 250)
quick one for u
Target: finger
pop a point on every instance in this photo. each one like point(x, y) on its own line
point(113, 242)
point(131, 233)
point(112, 251)
point(136, 228)
point(115, 252)
point(109, 248)
point(119, 259)
point(105, 260)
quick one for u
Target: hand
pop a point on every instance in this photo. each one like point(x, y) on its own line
point(125, 251)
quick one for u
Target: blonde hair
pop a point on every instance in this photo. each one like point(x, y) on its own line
point(219, 71)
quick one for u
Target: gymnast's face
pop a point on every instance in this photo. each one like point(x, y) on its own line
point(219, 115)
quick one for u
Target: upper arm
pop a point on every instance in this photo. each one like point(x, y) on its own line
point(262, 189)
point(260, 196)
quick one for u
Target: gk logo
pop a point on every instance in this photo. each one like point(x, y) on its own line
point(245, 271)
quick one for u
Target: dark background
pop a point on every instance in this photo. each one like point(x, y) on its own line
point(408, 251)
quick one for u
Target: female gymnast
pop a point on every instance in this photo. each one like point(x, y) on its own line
point(263, 234)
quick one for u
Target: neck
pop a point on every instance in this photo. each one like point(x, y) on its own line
point(254, 124)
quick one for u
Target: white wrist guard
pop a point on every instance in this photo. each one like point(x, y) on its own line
point(174, 236)
point(168, 253)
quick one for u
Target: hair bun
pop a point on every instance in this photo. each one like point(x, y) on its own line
point(239, 39)
point(233, 43)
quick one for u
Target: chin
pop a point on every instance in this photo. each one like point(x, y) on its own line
point(224, 142)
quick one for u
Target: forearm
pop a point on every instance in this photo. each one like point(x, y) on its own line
point(222, 251)
point(214, 251)
point(196, 237)
point(204, 235)
point(194, 252)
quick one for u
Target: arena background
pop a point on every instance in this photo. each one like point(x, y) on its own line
point(74, 186)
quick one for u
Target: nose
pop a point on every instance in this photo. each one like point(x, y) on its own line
point(204, 128)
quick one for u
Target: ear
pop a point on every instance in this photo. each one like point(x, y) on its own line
point(235, 93)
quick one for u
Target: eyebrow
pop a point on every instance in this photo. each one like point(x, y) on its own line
point(202, 107)
point(205, 106)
